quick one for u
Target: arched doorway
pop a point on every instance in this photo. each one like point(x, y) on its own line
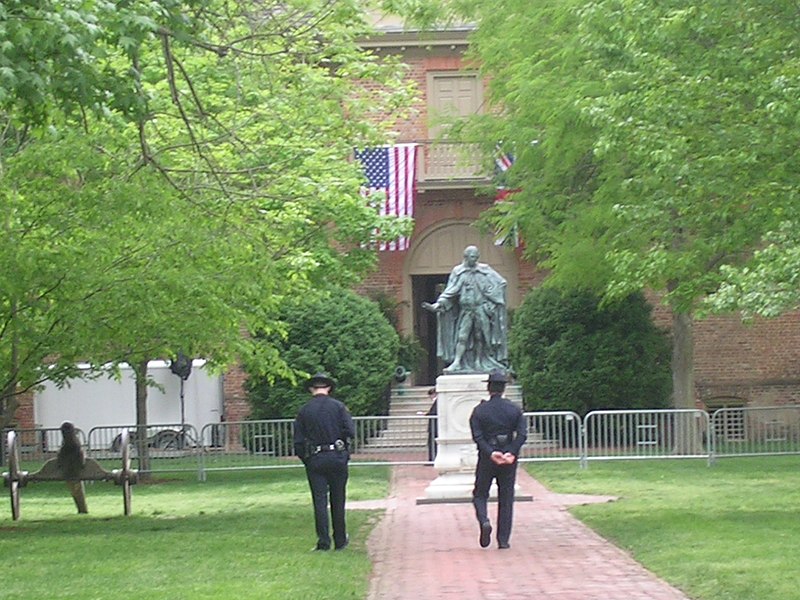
point(431, 258)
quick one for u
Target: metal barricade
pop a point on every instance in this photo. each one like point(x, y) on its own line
point(395, 439)
point(637, 434)
point(41, 444)
point(552, 436)
point(243, 445)
point(751, 431)
point(266, 444)
point(170, 447)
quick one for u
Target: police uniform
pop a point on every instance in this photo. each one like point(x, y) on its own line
point(321, 431)
point(497, 424)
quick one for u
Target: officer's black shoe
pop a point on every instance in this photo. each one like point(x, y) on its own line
point(345, 545)
point(320, 548)
point(503, 545)
point(486, 534)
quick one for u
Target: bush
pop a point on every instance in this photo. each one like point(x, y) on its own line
point(571, 354)
point(341, 333)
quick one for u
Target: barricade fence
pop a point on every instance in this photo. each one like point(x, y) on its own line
point(552, 436)
point(755, 431)
point(638, 434)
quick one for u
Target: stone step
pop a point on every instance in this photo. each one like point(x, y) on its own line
point(410, 401)
point(402, 394)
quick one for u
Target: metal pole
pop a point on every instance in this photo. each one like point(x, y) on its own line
point(183, 410)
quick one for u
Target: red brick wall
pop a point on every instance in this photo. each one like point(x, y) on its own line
point(758, 363)
point(235, 406)
point(24, 417)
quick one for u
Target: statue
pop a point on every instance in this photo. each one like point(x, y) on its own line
point(71, 460)
point(471, 318)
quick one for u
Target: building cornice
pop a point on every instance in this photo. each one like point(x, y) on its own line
point(391, 38)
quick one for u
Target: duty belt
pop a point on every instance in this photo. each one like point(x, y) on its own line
point(337, 446)
point(501, 440)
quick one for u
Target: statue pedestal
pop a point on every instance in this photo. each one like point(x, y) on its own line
point(456, 455)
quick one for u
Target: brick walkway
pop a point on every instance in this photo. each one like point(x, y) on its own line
point(431, 551)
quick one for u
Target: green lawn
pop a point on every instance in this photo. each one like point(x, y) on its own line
point(237, 536)
point(726, 532)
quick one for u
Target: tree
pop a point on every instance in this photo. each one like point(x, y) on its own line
point(336, 331)
point(170, 171)
point(570, 353)
point(654, 144)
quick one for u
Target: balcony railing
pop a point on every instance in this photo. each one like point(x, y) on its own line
point(441, 164)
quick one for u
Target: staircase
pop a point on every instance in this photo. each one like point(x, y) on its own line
point(411, 433)
point(404, 434)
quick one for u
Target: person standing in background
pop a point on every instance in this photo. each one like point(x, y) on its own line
point(433, 424)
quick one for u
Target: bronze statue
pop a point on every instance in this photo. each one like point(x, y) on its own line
point(471, 318)
point(71, 461)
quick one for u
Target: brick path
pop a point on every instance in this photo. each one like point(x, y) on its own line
point(431, 551)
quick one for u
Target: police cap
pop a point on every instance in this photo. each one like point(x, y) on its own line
point(497, 376)
point(321, 379)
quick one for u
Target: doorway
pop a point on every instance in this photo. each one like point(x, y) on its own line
point(426, 288)
point(429, 264)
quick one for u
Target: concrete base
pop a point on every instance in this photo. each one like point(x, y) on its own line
point(456, 455)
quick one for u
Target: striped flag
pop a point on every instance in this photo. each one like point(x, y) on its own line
point(391, 173)
point(503, 161)
point(512, 237)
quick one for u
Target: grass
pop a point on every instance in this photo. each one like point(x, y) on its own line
point(726, 532)
point(236, 536)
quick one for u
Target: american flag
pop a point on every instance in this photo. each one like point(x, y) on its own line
point(503, 160)
point(391, 172)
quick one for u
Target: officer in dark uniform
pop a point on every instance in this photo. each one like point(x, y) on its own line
point(322, 430)
point(500, 430)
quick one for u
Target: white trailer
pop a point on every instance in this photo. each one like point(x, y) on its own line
point(108, 402)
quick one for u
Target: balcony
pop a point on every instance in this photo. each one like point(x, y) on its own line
point(443, 165)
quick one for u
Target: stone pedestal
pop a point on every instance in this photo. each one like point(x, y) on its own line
point(456, 454)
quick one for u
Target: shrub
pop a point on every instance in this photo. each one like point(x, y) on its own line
point(571, 354)
point(341, 333)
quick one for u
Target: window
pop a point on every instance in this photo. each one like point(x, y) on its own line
point(451, 94)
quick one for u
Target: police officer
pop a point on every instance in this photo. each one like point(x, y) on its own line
point(322, 430)
point(499, 430)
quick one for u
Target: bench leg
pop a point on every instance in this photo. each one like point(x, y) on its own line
point(14, 489)
point(126, 497)
point(78, 491)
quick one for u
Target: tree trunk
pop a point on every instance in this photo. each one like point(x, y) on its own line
point(687, 434)
point(8, 395)
point(142, 449)
point(682, 360)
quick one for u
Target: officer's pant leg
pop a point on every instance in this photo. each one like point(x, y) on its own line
point(480, 493)
point(318, 483)
point(506, 478)
point(338, 487)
